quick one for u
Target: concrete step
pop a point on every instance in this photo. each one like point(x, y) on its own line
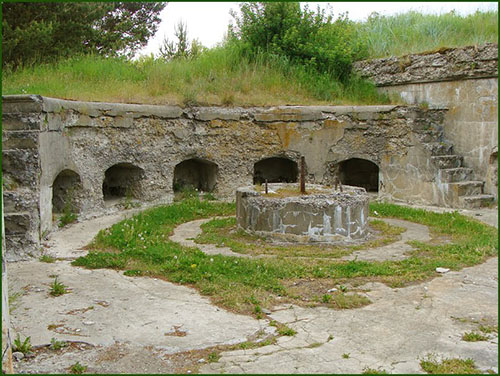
point(448, 161)
point(468, 188)
point(455, 175)
point(439, 148)
point(476, 201)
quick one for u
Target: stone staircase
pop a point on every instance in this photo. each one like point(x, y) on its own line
point(462, 189)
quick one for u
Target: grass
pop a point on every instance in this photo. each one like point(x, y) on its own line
point(413, 32)
point(431, 364)
point(221, 76)
point(283, 329)
point(141, 244)
point(57, 288)
point(47, 258)
point(474, 337)
point(223, 232)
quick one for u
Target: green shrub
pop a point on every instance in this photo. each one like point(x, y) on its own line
point(312, 39)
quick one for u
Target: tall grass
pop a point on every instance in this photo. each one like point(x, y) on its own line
point(220, 76)
point(413, 32)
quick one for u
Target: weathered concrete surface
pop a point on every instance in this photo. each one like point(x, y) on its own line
point(399, 328)
point(45, 136)
point(464, 80)
point(397, 250)
point(186, 232)
point(321, 215)
point(446, 64)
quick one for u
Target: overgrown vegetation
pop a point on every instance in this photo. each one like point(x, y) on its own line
point(220, 76)
point(413, 32)
point(140, 246)
point(275, 54)
point(431, 364)
point(34, 33)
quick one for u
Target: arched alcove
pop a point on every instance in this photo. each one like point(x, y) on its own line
point(275, 170)
point(66, 190)
point(196, 174)
point(359, 173)
point(122, 180)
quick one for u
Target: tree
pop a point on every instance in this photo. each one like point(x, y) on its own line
point(170, 50)
point(303, 36)
point(42, 32)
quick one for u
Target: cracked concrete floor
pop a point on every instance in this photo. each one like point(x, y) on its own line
point(146, 325)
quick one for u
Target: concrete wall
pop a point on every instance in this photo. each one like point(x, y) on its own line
point(88, 138)
point(464, 80)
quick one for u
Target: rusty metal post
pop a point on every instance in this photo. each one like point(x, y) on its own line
point(266, 187)
point(302, 175)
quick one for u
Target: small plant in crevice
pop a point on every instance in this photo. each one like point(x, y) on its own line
point(373, 371)
point(474, 337)
point(22, 346)
point(57, 345)
point(213, 357)
point(57, 288)
point(47, 258)
point(346, 355)
point(431, 364)
point(282, 329)
point(77, 368)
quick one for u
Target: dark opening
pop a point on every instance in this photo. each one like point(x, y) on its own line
point(275, 170)
point(122, 180)
point(195, 174)
point(359, 173)
point(66, 190)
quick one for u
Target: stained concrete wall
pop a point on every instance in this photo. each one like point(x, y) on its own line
point(88, 138)
point(464, 80)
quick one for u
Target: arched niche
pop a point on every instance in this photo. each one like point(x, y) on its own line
point(275, 170)
point(122, 180)
point(359, 173)
point(195, 173)
point(66, 192)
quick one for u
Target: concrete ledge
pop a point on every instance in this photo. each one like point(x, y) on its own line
point(446, 64)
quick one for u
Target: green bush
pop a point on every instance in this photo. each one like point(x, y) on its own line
point(305, 37)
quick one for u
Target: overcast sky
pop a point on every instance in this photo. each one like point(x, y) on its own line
point(208, 21)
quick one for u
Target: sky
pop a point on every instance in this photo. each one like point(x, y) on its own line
point(208, 21)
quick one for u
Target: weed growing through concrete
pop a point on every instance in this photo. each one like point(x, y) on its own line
point(141, 246)
point(47, 258)
point(346, 355)
point(431, 364)
point(282, 329)
point(57, 288)
point(474, 337)
point(77, 368)
point(213, 357)
point(373, 371)
point(22, 346)
point(57, 345)
point(488, 329)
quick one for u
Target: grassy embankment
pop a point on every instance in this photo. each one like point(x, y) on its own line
point(413, 32)
point(222, 76)
point(140, 246)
